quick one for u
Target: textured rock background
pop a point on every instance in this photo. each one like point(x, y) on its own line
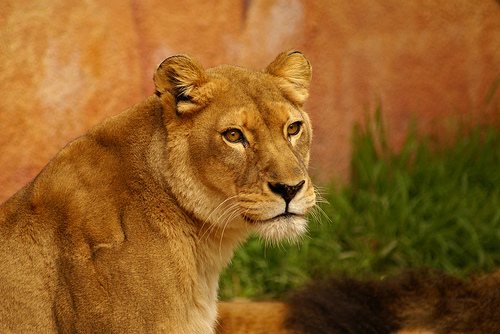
point(65, 65)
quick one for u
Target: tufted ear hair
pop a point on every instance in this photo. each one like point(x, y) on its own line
point(295, 72)
point(184, 78)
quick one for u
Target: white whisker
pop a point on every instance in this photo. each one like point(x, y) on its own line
point(319, 192)
point(215, 225)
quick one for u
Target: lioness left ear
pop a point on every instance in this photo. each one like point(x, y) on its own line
point(296, 71)
point(184, 78)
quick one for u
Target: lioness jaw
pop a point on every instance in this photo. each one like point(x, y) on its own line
point(127, 228)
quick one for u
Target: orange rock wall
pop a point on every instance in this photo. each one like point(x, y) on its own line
point(65, 65)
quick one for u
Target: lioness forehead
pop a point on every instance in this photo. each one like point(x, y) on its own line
point(257, 116)
point(246, 94)
point(239, 80)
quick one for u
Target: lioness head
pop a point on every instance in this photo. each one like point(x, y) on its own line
point(238, 143)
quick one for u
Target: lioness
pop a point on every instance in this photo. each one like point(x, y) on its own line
point(127, 228)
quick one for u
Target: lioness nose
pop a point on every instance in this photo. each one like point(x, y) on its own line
point(286, 191)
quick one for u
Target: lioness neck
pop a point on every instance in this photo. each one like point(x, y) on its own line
point(215, 252)
point(200, 253)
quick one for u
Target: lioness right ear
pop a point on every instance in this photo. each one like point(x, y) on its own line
point(294, 72)
point(185, 79)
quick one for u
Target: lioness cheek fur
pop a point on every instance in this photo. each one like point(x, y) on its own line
point(127, 228)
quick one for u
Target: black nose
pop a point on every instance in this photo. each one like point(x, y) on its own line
point(286, 191)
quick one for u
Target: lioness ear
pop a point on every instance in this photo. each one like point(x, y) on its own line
point(296, 70)
point(185, 79)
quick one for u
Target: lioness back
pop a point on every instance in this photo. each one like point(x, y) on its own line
point(127, 228)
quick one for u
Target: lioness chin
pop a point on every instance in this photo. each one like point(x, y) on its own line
point(127, 228)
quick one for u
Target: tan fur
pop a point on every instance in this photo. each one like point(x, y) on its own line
point(251, 317)
point(127, 228)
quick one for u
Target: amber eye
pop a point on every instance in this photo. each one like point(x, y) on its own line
point(233, 135)
point(293, 129)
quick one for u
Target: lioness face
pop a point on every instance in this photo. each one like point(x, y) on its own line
point(245, 141)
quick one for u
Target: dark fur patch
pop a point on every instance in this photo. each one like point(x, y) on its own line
point(421, 299)
point(343, 306)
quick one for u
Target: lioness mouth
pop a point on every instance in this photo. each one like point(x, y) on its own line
point(284, 215)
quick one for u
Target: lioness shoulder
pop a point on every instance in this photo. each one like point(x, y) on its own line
point(127, 228)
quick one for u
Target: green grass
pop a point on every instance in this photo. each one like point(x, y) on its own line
point(426, 206)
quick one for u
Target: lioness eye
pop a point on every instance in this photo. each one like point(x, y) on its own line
point(293, 129)
point(233, 135)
